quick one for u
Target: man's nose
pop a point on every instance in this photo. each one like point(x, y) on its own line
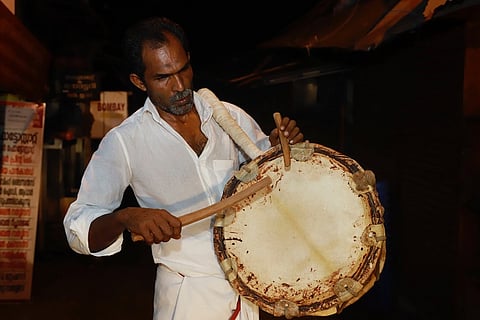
point(178, 84)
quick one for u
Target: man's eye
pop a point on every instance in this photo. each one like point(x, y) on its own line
point(186, 67)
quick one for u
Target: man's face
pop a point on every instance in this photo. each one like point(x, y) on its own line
point(168, 76)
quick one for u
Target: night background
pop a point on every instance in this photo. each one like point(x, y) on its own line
point(388, 83)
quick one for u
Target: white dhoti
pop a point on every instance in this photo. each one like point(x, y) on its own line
point(179, 297)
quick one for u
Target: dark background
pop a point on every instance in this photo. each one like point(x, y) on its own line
point(407, 109)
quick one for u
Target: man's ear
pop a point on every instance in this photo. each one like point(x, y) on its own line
point(137, 82)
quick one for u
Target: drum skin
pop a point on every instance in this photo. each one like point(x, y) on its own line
point(312, 243)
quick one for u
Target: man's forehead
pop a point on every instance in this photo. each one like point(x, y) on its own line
point(163, 61)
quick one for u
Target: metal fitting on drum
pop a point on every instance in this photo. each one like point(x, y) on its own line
point(374, 235)
point(363, 181)
point(347, 288)
point(302, 151)
point(247, 172)
point(287, 309)
point(230, 269)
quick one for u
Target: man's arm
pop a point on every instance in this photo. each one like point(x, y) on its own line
point(154, 225)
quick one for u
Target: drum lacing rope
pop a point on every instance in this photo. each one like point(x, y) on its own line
point(237, 310)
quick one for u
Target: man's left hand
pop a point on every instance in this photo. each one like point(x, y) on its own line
point(289, 129)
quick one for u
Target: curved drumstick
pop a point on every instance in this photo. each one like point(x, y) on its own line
point(231, 127)
point(200, 214)
point(283, 141)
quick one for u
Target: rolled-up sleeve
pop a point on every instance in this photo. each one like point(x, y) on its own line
point(103, 184)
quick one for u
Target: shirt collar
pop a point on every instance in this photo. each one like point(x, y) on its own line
point(203, 108)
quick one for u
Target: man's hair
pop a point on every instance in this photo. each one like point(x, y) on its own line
point(151, 30)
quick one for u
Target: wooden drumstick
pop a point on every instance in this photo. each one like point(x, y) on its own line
point(283, 140)
point(200, 214)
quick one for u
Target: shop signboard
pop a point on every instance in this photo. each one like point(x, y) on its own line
point(22, 129)
point(108, 112)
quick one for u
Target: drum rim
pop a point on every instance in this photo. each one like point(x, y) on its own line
point(366, 275)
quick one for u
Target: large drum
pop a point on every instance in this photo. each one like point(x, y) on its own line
point(311, 243)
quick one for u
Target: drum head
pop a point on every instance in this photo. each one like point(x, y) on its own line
point(310, 244)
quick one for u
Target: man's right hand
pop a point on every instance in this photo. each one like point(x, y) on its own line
point(151, 225)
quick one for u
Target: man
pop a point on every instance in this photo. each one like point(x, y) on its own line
point(176, 159)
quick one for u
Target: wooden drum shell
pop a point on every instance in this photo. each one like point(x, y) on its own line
point(311, 243)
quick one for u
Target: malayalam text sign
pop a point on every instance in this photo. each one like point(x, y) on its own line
point(22, 125)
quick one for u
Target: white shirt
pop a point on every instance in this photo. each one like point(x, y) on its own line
point(164, 172)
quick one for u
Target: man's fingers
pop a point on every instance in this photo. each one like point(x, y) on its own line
point(166, 227)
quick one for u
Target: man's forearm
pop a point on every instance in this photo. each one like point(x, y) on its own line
point(104, 231)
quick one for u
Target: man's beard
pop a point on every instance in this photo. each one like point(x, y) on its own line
point(179, 110)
